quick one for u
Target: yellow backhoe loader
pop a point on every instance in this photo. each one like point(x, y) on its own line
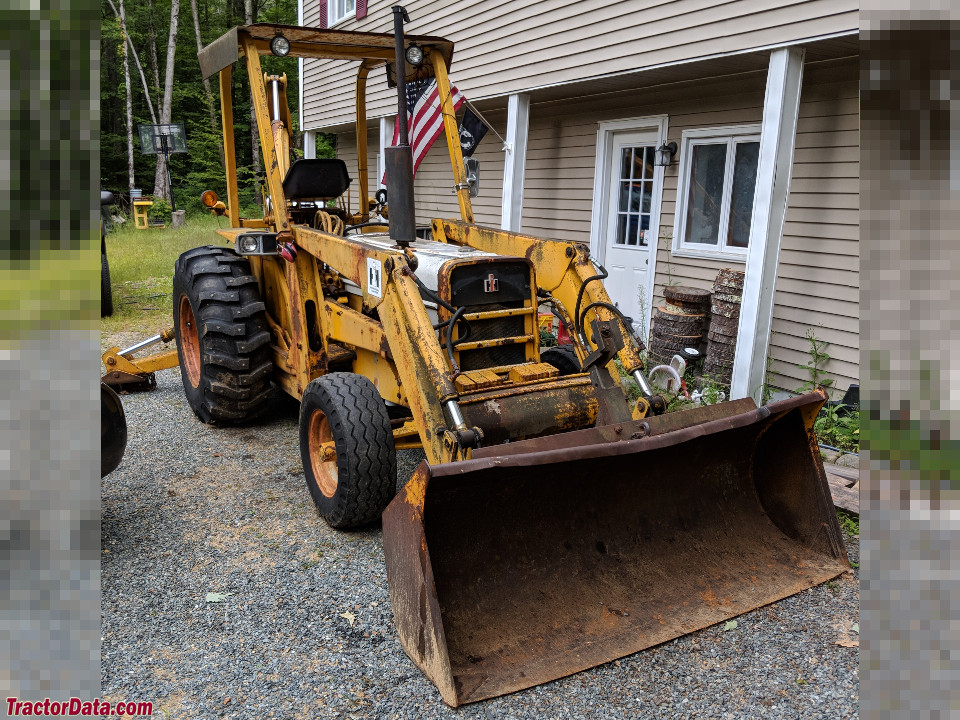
point(554, 525)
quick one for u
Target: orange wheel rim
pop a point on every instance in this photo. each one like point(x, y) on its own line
point(325, 473)
point(189, 341)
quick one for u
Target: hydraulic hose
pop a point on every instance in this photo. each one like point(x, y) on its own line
point(627, 325)
point(453, 321)
point(457, 315)
point(578, 327)
point(424, 290)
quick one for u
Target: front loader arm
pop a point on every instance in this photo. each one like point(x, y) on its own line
point(421, 367)
point(562, 268)
point(419, 361)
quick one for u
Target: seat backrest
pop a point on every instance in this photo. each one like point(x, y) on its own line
point(316, 179)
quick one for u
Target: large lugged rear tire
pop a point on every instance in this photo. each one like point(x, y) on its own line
point(353, 487)
point(222, 336)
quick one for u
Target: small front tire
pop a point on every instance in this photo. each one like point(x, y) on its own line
point(346, 445)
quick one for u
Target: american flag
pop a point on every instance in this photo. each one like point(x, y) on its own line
point(424, 117)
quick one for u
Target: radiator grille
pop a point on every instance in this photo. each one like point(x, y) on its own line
point(490, 330)
point(468, 288)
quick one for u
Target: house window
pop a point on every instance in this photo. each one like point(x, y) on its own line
point(340, 10)
point(718, 176)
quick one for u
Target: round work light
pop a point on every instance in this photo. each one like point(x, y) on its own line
point(280, 46)
point(415, 55)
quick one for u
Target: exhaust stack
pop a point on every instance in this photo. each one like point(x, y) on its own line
point(399, 159)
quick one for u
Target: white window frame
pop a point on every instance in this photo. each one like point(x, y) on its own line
point(732, 135)
point(349, 15)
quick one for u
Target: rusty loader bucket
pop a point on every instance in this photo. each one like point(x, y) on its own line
point(541, 558)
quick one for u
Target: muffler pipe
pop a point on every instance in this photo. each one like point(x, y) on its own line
point(398, 160)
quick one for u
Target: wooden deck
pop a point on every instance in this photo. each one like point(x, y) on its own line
point(844, 486)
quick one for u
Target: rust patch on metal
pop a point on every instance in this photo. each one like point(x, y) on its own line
point(524, 411)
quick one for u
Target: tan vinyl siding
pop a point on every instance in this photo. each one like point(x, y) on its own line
point(433, 185)
point(818, 279)
point(513, 46)
point(818, 283)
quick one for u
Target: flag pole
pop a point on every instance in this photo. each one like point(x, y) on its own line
point(483, 119)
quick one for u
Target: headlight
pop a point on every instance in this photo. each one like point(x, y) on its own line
point(280, 46)
point(256, 243)
point(415, 55)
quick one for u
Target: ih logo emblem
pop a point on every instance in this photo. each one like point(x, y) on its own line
point(491, 284)
point(374, 277)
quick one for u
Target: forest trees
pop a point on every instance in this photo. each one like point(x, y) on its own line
point(184, 97)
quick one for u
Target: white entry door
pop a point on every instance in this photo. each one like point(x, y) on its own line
point(631, 223)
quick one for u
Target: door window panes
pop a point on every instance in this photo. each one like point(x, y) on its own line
point(635, 193)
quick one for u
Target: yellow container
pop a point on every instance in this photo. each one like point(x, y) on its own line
point(140, 209)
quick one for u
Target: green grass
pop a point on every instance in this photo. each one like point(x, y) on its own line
point(921, 448)
point(850, 524)
point(141, 272)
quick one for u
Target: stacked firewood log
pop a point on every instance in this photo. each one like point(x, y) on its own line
point(724, 320)
point(679, 323)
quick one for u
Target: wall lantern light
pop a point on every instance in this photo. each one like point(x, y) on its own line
point(665, 154)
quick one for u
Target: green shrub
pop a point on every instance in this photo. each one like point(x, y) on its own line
point(840, 431)
point(547, 338)
point(160, 211)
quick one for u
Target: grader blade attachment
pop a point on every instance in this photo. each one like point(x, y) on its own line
point(537, 559)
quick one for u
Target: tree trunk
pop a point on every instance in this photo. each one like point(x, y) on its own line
point(126, 82)
point(254, 135)
point(154, 63)
point(217, 132)
point(136, 58)
point(161, 187)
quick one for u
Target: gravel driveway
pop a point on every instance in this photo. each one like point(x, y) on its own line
point(303, 628)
